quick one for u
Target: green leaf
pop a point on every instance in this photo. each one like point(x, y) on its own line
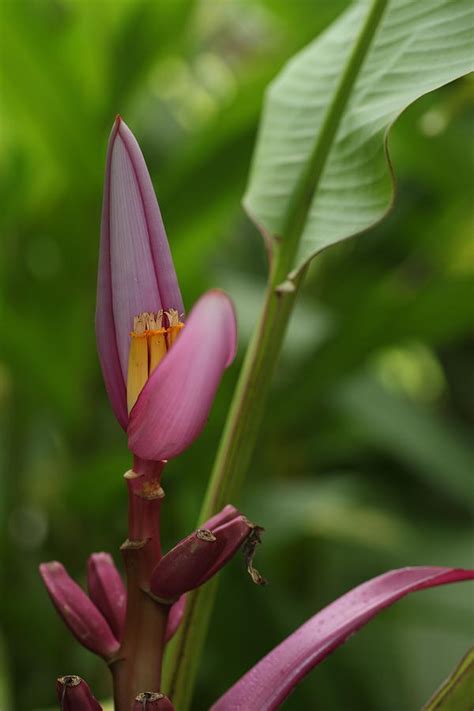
point(321, 171)
point(457, 692)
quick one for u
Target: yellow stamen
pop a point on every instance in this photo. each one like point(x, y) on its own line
point(149, 342)
point(137, 361)
point(156, 341)
point(173, 333)
point(175, 326)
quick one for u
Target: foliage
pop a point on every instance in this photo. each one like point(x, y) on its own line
point(362, 463)
point(323, 139)
point(457, 691)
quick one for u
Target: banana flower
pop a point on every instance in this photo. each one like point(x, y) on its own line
point(160, 374)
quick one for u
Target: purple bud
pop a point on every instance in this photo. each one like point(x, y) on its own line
point(199, 556)
point(74, 694)
point(77, 611)
point(182, 568)
point(152, 701)
point(175, 617)
point(233, 534)
point(107, 590)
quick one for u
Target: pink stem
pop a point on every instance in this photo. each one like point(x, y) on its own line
point(144, 502)
point(137, 665)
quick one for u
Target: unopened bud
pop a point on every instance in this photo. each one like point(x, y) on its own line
point(77, 611)
point(198, 557)
point(74, 694)
point(152, 701)
point(107, 591)
point(182, 568)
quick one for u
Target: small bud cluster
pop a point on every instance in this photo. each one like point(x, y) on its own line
point(97, 619)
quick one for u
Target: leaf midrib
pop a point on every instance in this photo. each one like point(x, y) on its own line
point(306, 186)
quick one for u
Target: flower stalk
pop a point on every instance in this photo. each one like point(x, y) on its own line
point(137, 664)
point(161, 372)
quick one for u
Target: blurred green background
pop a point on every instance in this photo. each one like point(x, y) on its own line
point(363, 461)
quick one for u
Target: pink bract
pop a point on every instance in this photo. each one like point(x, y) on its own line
point(136, 271)
point(269, 682)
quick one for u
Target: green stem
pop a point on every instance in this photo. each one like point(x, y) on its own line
point(233, 457)
point(241, 430)
point(242, 426)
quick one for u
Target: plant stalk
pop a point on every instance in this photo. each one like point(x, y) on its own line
point(237, 445)
point(137, 666)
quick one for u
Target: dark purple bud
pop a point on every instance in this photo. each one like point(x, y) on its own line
point(175, 617)
point(74, 694)
point(107, 591)
point(198, 557)
point(77, 611)
point(152, 701)
point(183, 567)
